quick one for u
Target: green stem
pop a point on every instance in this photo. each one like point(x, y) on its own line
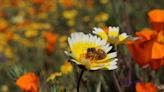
point(80, 77)
point(116, 81)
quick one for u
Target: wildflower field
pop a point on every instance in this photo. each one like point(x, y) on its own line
point(81, 46)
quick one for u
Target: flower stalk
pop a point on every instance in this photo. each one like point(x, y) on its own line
point(80, 77)
point(116, 81)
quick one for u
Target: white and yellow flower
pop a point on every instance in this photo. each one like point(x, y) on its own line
point(112, 35)
point(91, 52)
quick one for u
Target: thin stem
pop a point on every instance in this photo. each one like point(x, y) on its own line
point(78, 83)
point(116, 82)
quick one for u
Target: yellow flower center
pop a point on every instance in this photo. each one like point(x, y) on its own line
point(113, 33)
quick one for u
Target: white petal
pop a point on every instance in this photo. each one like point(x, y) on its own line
point(73, 60)
point(112, 67)
point(112, 55)
point(69, 54)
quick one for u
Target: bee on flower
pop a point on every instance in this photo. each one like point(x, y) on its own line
point(111, 35)
point(91, 52)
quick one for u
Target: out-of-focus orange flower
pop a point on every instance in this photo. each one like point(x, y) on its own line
point(23, 24)
point(48, 6)
point(14, 3)
point(90, 3)
point(106, 29)
point(146, 87)
point(28, 82)
point(9, 36)
point(156, 18)
point(68, 3)
point(31, 11)
point(3, 25)
point(51, 39)
point(2, 14)
point(50, 48)
point(38, 1)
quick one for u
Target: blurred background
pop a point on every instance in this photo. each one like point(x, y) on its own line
point(33, 37)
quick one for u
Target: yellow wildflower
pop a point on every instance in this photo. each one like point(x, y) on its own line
point(54, 76)
point(71, 22)
point(42, 16)
point(16, 37)
point(102, 17)
point(66, 67)
point(104, 1)
point(31, 33)
point(91, 52)
point(8, 52)
point(62, 41)
point(70, 14)
point(4, 88)
point(19, 18)
point(3, 42)
point(26, 42)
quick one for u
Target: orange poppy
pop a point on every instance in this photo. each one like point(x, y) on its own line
point(146, 87)
point(50, 48)
point(160, 37)
point(157, 63)
point(147, 50)
point(3, 25)
point(157, 51)
point(9, 36)
point(32, 11)
point(141, 48)
point(156, 18)
point(28, 82)
point(38, 1)
point(146, 34)
point(51, 38)
point(68, 3)
point(90, 3)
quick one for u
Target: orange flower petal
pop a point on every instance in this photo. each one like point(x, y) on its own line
point(28, 82)
point(146, 87)
point(157, 51)
point(146, 34)
point(156, 17)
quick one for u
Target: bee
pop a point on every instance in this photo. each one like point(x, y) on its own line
point(101, 54)
point(95, 54)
